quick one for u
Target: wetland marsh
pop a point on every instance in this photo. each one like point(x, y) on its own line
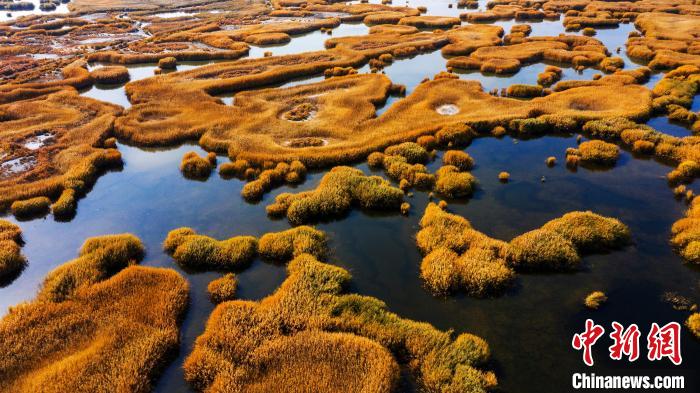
point(423, 270)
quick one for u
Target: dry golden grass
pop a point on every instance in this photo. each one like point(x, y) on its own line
point(667, 26)
point(595, 152)
point(458, 257)
point(459, 159)
point(339, 190)
point(113, 327)
point(223, 288)
point(74, 74)
point(595, 299)
point(686, 233)
point(310, 336)
point(195, 167)
point(452, 183)
point(255, 128)
point(167, 63)
point(524, 91)
point(550, 76)
point(32, 207)
point(12, 262)
point(289, 244)
point(425, 21)
point(411, 151)
point(199, 252)
point(292, 173)
point(112, 75)
point(693, 324)
point(53, 144)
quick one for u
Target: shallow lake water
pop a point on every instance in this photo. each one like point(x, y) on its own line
point(529, 329)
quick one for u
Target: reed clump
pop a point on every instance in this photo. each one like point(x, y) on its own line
point(595, 152)
point(693, 324)
point(312, 336)
point(98, 259)
point(459, 159)
point(199, 252)
point(223, 289)
point(32, 207)
point(550, 76)
point(12, 262)
point(458, 257)
point(411, 151)
point(106, 332)
point(452, 183)
point(167, 63)
point(289, 244)
point(110, 75)
point(292, 173)
point(685, 233)
point(524, 91)
point(595, 299)
point(339, 190)
point(195, 166)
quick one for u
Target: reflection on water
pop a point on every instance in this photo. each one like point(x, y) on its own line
point(6, 15)
point(529, 329)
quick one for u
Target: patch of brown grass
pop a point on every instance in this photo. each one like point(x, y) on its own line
point(103, 333)
point(339, 190)
point(112, 75)
point(223, 288)
point(595, 299)
point(338, 342)
point(12, 262)
point(199, 252)
point(69, 157)
point(458, 257)
point(595, 152)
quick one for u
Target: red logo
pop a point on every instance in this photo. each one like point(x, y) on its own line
point(586, 340)
point(626, 342)
point(665, 342)
point(662, 342)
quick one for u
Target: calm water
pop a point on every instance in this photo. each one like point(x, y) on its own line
point(529, 329)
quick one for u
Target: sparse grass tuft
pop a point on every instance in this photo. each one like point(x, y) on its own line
point(504, 177)
point(223, 288)
point(595, 299)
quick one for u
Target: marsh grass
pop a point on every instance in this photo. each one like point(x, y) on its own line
point(223, 288)
point(111, 75)
point(595, 299)
point(339, 190)
point(12, 262)
point(595, 152)
point(32, 207)
point(92, 331)
point(338, 342)
point(458, 257)
point(452, 183)
point(199, 252)
point(193, 166)
point(693, 324)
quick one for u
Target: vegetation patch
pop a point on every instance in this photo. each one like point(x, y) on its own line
point(199, 252)
point(595, 299)
point(97, 323)
point(339, 190)
point(12, 262)
point(223, 288)
point(594, 152)
point(338, 342)
point(458, 257)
